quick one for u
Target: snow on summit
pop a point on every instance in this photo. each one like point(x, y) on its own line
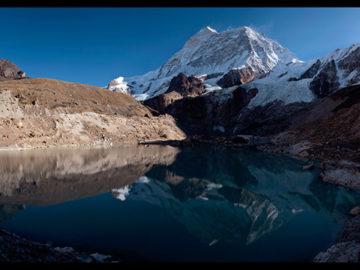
point(209, 52)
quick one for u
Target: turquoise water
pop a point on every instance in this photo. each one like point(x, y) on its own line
point(160, 203)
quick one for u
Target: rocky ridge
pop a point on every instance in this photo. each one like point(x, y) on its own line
point(45, 112)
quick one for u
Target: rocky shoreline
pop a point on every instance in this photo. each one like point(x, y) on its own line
point(15, 249)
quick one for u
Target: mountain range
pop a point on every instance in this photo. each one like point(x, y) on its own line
point(273, 69)
point(240, 82)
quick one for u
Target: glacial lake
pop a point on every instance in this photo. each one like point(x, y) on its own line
point(162, 203)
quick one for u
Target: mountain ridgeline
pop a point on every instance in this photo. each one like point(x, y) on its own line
point(240, 82)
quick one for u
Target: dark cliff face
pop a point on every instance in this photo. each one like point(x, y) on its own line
point(326, 81)
point(309, 73)
point(351, 63)
point(180, 86)
point(236, 77)
point(9, 71)
point(269, 119)
point(186, 86)
point(206, 115)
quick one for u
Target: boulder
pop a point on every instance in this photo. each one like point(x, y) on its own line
point(355, 211)
point(9, 71)
point(308, 167)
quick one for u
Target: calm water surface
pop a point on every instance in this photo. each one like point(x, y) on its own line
point(160, 203)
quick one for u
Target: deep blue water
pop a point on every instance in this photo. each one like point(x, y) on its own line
point(161, 203)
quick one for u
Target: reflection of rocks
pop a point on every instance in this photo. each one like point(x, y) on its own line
point(53, 176)
point(222, 195)
point(7, 211)
point(263, 214)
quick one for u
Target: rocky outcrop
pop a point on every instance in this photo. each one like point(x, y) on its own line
point(161, 102)
point(237, 76)
point(326, 81)
point(186, 86)
point(351, 231)
point(355, 211)
point(343, 176)
point(180, 86)
point(348, 248)
point(9, 71)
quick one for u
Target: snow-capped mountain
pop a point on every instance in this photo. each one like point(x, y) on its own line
point(279, 74)
point(306, 81)
point(211, 53)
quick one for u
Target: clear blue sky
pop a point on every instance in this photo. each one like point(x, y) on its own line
point(95, 45)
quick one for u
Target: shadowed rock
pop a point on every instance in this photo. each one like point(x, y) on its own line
point(326, 81)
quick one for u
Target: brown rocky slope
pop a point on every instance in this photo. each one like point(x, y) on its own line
point(331, 128)
point(46, 112)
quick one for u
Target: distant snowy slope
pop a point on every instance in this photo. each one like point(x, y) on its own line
point(304, 81)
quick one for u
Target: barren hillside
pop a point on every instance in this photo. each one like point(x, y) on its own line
point(45, 112)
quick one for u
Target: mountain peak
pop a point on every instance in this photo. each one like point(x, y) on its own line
point(206, 31)
point(200, 36)
point(208, 28)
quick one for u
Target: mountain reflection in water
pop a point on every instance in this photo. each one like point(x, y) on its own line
point(219, 195)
